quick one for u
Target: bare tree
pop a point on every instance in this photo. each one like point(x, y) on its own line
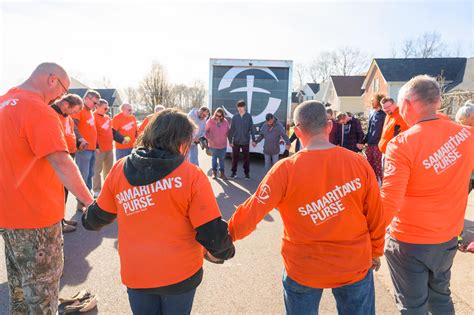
point(408, 48)
point(197, 94)
point(349, 61)
point(430, 45)
point(457, 49)
point(131, 95)
point(154, 88)
point(321, 68)
point(300, 73)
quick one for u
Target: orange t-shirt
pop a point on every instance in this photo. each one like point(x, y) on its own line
point(156, 224)
point(144, 124)
point(427, 173)
point(31, 194)
point(69, 135)
point(332, 216)
point(87, 127)
point(105, 138)
point(393, 125)
point(126, 126)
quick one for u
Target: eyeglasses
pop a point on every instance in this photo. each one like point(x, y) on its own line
point(219, 116)
point(62, 85)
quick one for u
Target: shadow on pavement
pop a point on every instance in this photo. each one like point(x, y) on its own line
point(77, 246)
point(4, 298)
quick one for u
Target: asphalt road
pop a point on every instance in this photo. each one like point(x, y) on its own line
point(248, 284)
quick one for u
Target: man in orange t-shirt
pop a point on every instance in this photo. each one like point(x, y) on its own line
point(332, 216)
point(104, 156)
point(158, 108)
point(428, 168)
point(126, 124)
point(35, 165)
point(393, 125)
point(86, 134)
point(68, 105)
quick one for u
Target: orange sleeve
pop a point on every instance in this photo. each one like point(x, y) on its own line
point(143, 125)
point(373, 211)
point(268, 195)
point(106, 200)
point(44, 132)
point(203, 206)
point(396, 176)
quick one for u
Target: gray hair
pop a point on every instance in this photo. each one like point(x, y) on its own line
point(423, 88)
point(92, 94)
point(465, 112)
point(125, 104)
point(311, 117)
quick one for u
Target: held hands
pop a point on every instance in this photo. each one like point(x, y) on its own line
point(83, 144)
point(254, 144)
point(126, 139)
point(360, 146)
point(376, 264)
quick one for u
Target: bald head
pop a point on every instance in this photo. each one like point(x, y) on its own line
point(126, 109)
point(49, 80)
point(419, 99)
point(311, 118)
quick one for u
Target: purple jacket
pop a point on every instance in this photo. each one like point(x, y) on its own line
point(216, 133)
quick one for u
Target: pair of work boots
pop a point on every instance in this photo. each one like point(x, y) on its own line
point(221, 173)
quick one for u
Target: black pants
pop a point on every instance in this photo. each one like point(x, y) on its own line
point(235, 157)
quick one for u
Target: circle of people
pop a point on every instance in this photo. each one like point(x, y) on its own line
point(337, 220)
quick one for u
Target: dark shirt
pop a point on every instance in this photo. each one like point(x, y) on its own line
point(350, 135)
point(374, 132)
point(241, 129)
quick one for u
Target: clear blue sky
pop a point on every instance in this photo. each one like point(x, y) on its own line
point(119, 41)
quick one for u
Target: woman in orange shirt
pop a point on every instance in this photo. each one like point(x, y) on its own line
point(166, 213)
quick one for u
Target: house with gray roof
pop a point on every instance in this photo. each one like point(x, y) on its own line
point(388, 75)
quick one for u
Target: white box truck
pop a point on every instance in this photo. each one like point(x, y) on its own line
point(265, 86)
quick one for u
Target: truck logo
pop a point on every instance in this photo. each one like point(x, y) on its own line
point(273, 103)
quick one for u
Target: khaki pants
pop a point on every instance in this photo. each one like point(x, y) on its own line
point(103, 163)
point(35, 263)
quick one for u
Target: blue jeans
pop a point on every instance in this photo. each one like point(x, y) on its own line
point(120, 153)
point(270, 160)
point(85, 161)
point(218, 154)
point(156, 304)
point(352, 299)
point(193, 154)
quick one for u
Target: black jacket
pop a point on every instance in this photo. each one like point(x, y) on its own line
point(144, 167)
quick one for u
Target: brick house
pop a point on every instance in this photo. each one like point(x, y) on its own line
point(388, 75)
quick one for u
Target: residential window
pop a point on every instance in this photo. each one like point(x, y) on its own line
point(376, 85)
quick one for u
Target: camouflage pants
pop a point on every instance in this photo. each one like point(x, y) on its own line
point(35, 262)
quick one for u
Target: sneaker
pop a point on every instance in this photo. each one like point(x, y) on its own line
point(68, 228)
point(70, 222)
point(233, 175)
point(247, 177)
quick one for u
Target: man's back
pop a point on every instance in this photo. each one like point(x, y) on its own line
point(433, 160)
point(30, 191)
point(331, 209)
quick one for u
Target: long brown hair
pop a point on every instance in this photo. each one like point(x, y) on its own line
point(218, 110)
point(169, 130)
